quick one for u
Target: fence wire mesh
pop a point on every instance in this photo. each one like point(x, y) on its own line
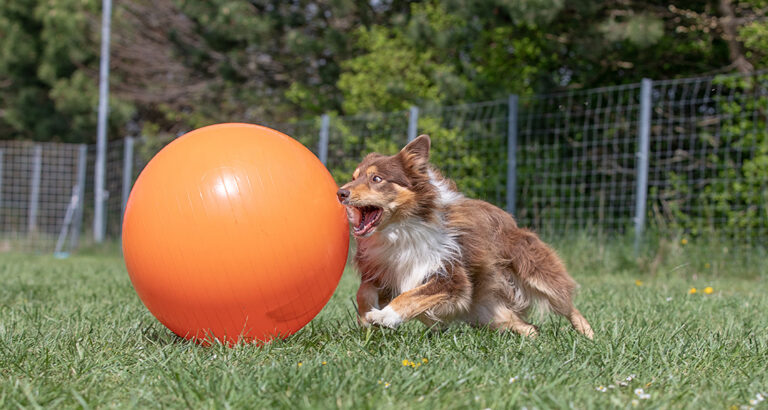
point(577, 160)
point(469, 144)
point(708, 173)
point(350, 138)
point(575, 165)
point(306, 132)
point(38, 183)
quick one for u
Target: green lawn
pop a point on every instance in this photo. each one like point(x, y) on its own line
point(73, 333)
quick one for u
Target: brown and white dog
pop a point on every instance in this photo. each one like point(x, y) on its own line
point(425, 251)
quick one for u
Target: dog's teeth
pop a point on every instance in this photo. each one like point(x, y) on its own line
point(354, 215)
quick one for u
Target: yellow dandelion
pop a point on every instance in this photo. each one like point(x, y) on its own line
point(638, 283)
point(708, 290)
point(684, 241)
point(324, 363)
point(692, 291)
point(300, 364)
point(707, 265)
point(424, 360)
point(405, 362)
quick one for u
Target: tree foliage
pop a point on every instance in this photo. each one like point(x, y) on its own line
point(179, 64)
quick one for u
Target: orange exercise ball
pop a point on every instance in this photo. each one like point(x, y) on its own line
point(233, 232)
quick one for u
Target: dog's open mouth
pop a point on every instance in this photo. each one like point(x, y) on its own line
point(364, 218)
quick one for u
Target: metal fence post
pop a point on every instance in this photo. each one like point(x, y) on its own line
point(82, 162)
point(34, 191)
point(1, 178)
point(512, 153)
point(413, 123)
point(99, 217)
point(99, 193)
point(643, 147)
point(322, 149)
point(127, 172)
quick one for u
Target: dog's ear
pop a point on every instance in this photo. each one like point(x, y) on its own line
point(418, 149)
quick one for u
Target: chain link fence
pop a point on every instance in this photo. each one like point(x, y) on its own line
point(40, 186)
point(708, 172)
point(577, 160)
point(687, 156)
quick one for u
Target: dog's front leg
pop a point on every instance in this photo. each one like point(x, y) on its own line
point(444, 295)
point(367, 300)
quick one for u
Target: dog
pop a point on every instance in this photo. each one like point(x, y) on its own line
point(427, 252)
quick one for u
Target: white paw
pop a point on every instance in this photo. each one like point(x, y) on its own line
point(387, 317)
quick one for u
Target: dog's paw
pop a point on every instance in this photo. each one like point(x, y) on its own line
point(386, 317)
point(362, 321)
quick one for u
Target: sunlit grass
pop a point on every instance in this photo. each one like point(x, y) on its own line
point(74, 334)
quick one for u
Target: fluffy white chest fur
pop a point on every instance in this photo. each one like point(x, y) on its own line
point(405, 254)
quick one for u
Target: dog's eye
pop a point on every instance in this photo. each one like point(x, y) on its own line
point(376, 178)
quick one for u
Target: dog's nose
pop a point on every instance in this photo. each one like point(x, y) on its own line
point(343, 195)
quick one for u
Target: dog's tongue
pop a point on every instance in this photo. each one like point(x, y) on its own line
point(354, 215)
point(368, 216)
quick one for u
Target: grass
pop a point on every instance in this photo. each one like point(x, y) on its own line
point(74, 334)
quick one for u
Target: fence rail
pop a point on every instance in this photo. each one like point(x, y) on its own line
point(674, 156)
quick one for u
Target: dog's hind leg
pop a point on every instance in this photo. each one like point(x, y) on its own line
point(507, 319)
point(500, 306)
point(580, 323)
point(558, 294)
point(543, 274)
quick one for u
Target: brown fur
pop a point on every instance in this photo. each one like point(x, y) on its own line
point(492, 277)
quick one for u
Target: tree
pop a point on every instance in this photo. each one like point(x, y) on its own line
point(181, 64)
point(46, 57)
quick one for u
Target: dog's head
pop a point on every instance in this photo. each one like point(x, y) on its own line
point(386, 189)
